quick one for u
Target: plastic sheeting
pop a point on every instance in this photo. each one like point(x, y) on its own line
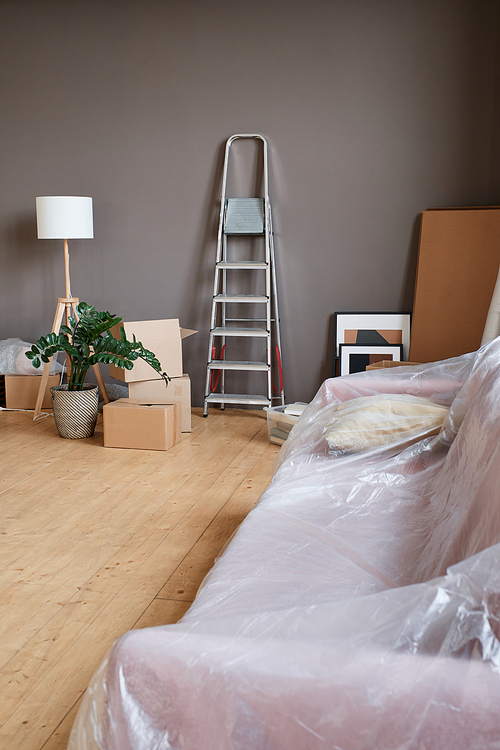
point(356, 608)
point(13, 360)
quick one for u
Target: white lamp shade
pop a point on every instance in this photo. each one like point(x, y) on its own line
point(64, 217)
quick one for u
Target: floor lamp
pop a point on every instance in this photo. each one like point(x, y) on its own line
point(64, 217)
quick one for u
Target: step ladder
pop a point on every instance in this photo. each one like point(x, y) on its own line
point(260, 328)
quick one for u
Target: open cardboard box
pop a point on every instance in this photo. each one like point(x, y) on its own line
point(163, 338)
point(179, 389)
point(141, 424)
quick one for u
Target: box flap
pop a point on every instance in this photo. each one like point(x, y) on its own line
point(135, 402)
point(150, 404)
point(150, 330)
point(185, 332)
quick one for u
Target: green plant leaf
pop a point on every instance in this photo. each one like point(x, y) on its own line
point(88, 341)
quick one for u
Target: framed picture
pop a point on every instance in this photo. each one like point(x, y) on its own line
point(372, 328)
point(356, 357)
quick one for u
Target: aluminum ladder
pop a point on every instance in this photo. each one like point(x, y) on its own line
point(250, 218)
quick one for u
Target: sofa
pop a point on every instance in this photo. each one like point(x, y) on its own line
point(356, 608)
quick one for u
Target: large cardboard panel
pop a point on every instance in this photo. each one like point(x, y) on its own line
point(21, 391)
point(178, 390)
point(458, 260)
point(163, 338)
point(141, 424)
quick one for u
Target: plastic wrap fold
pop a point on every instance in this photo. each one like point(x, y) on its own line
point(14, 362)
point(356, 608)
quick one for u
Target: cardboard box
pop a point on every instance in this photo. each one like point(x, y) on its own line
point(141, 424)
point(178, 390)
point(279, 424)
point(163, 338)
point(21, 391)
point(389, 363)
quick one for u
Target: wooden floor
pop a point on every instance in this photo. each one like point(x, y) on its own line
point(95, 541)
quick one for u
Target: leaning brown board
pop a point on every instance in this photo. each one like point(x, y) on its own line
point(458, 260)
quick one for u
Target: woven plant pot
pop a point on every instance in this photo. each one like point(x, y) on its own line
point(75, 412)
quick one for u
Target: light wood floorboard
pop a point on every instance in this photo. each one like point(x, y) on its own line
point(96, 541)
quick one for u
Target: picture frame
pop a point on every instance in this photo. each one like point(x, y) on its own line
point(372, 328)
point(356, 357)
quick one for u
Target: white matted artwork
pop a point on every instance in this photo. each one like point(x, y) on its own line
point(357, 357)
point(372, 329)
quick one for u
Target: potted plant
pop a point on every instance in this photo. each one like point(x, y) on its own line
point(87, 341)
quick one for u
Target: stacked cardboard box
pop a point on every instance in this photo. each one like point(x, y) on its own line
point(164, 338)
point(178, 390)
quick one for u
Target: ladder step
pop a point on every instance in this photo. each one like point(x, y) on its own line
point(242, 264)
point(239, 332)
point(248, 320)
point(244, 216)
point(241, 298)
point(237, 398)
point(226, 364)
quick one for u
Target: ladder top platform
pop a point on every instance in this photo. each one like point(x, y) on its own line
point(244, 216)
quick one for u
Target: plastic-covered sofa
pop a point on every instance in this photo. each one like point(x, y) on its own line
point(356, 608)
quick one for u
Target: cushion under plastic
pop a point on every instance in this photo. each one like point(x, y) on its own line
point(371, 421)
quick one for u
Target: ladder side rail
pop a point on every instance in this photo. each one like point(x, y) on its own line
point(219, 251)
point(268, 319)
point(207, 380)
point(224, 183)
point(275, 301)
point(213, 324)
point(268, 272)
point(223, 202)
point(266, 171)
point(223, 313)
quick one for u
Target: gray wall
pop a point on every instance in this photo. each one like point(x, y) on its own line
point(374, 111)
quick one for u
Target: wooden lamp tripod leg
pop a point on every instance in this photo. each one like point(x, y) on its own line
point(101, 383)
point(60, 309)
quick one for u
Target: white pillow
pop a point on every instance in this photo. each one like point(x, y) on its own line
point(385, 419)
